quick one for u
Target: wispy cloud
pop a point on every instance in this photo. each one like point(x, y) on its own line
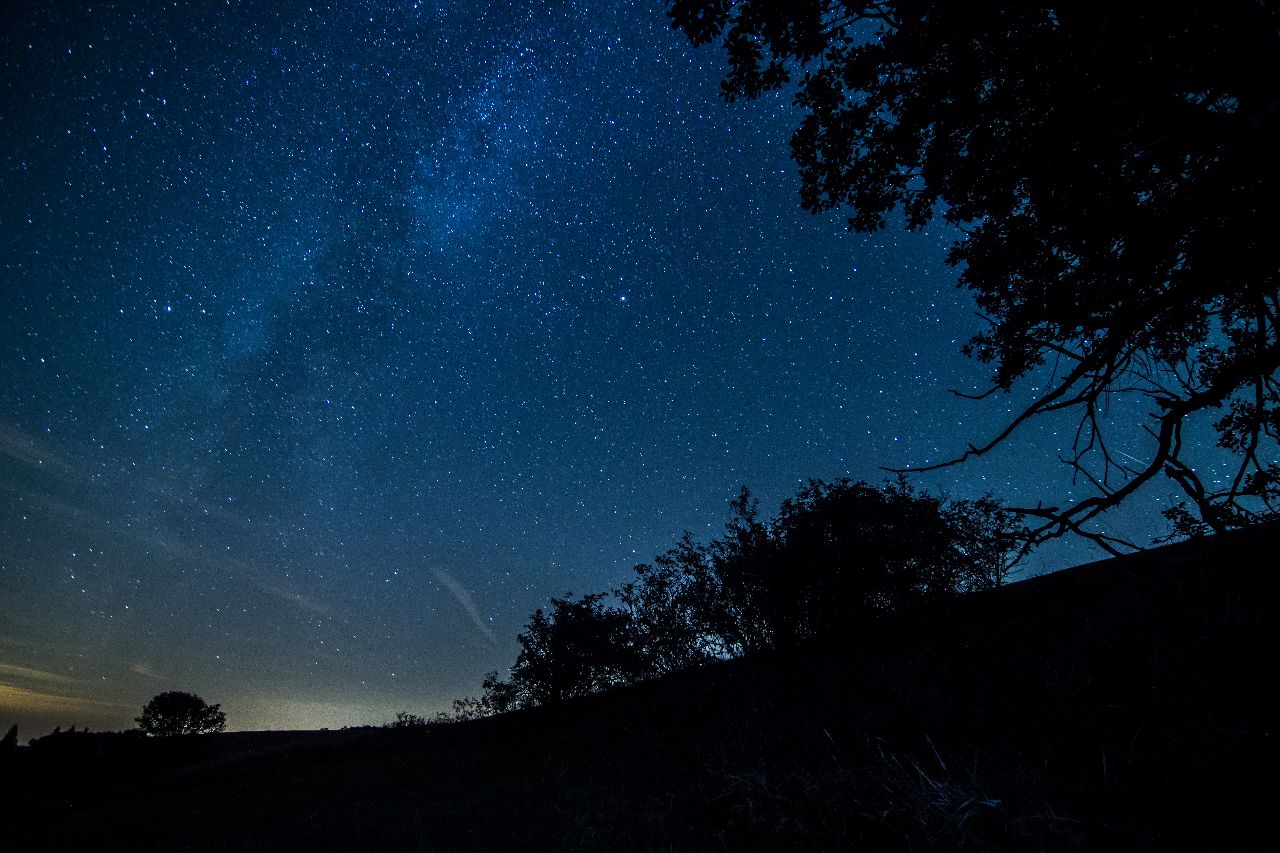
point(463, 597)
point(20, 447)
point(25, 673)
point(29, 701)
point(27, 691)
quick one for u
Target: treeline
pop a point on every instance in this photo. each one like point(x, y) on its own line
point(837, 556)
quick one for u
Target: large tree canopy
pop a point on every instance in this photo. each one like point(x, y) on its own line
point(178, 713)
point(1110, 166)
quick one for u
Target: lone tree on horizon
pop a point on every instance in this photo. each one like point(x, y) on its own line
point(1110, 169)
point(178, 713)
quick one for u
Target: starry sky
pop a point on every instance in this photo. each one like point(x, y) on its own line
point(337, 338)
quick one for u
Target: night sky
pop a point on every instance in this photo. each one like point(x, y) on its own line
point(336, 340)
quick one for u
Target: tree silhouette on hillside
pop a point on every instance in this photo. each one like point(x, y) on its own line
point(576, 647)
point(838, 556)
point(177, 713)
point(1111, 168)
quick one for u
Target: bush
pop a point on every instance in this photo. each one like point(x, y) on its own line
point(405, 720)
point(838, 556)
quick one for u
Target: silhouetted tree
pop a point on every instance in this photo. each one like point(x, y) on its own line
point(10, 742)
point(405, 720)
point(499, 696)
point(671, 603)
point(177, 713)
point(1111, 168)
point(837, 555)
point(697, 602)
point(575, 648)
point(846, 553)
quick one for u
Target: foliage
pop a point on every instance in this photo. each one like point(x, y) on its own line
point(838, 555)
point(848, 552)
point(698, 602)
point(1110, 166)
point(464, 709)
point(499, 696)
point(405, 720)
point(577, 647)
point(177, 713)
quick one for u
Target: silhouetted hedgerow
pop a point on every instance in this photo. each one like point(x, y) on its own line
point(838, 556)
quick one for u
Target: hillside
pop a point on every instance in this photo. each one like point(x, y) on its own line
point(1118, 705)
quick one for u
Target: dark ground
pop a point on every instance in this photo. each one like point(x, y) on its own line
point(1118, 705)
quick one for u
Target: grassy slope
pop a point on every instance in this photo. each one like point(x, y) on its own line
point(1117, 705)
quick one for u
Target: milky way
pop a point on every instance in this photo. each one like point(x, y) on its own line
point(335, 340)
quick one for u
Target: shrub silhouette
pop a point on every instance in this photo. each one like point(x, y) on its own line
point(838, 556)
point(406, 720)
point(177, 713)
point(575, 648)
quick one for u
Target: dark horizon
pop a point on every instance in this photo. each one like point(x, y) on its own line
point(1114, 706)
